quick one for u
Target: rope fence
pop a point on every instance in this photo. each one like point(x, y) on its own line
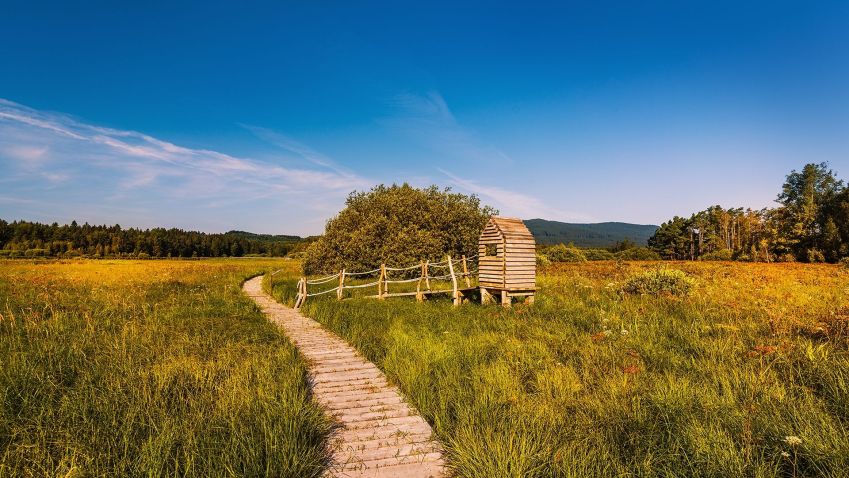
point(423, 279)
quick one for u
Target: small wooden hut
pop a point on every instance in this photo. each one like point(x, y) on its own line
point(507, 259)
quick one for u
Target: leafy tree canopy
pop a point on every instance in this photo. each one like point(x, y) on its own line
point(398, 225)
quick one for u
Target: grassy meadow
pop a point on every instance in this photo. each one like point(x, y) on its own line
point(149, 368)
point(748, 375)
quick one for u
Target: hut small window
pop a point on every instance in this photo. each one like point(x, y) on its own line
point(491, 250)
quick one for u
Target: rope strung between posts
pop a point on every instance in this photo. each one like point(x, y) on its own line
point(361, 285)
point(322, 281)
point(360, 273)
point(401, 281)
point(417, 266)
point(323, 292)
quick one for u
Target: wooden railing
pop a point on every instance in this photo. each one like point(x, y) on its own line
point(313, 287)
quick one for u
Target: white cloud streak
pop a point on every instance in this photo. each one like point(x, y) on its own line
point(427, 120)
point(39, 149)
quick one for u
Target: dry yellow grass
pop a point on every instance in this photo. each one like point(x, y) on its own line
point(149, 368)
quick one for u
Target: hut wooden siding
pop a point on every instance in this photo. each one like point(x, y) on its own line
point(513, 267)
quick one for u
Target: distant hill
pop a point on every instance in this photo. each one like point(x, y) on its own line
point(602, 234)
point(262, 237)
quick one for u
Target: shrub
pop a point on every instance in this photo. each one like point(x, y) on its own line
point(398, 225)
point(563, 253)
point(786, 257)
point(843, 262)
point(5, 253)
point(143, 255)
point(815, 255)
point(36, 252)
point(598, 255)
point(659, 281)
point(638, 254)
point(720, 255)
point(543, 260)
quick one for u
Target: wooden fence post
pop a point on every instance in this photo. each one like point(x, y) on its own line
point(302, 292)
point(298, 294)
point(341, 284)
point(455, 294)
point(466, 272)
point(381, 282)
point(419, 295)
point(427, 274)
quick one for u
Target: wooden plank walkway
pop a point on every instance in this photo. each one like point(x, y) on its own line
point(380, 435)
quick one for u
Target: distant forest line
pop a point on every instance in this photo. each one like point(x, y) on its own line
point(33, 239)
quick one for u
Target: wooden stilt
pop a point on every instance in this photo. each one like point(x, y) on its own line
point(505, 298)
point(486, 297)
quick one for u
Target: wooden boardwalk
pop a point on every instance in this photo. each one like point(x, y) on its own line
point(380, 435)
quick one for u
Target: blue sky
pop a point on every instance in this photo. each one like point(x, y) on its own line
point(263, 117)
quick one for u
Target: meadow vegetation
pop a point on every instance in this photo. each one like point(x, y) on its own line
point(710, 369)
point(149, 368)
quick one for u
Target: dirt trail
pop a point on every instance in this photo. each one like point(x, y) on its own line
point(380, 436)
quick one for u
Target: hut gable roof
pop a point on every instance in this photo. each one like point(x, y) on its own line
point(511, 228)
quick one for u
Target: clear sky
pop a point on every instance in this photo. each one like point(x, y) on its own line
point(263, 116)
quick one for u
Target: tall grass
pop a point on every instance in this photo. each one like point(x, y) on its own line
point(150, 368)
point(593, 382)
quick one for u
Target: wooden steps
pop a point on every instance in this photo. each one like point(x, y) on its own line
point(380, 435)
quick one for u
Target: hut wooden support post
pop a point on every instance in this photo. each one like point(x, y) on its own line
point(455, 294)
point(486, 297)
point(466, 272)
point(341, 285)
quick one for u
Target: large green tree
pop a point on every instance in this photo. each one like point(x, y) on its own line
point(398, 225)
point(806, 196)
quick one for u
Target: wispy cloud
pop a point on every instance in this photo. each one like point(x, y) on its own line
point(427, 120)
point(301, 150)
point(511, 203)
point(94, 163)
